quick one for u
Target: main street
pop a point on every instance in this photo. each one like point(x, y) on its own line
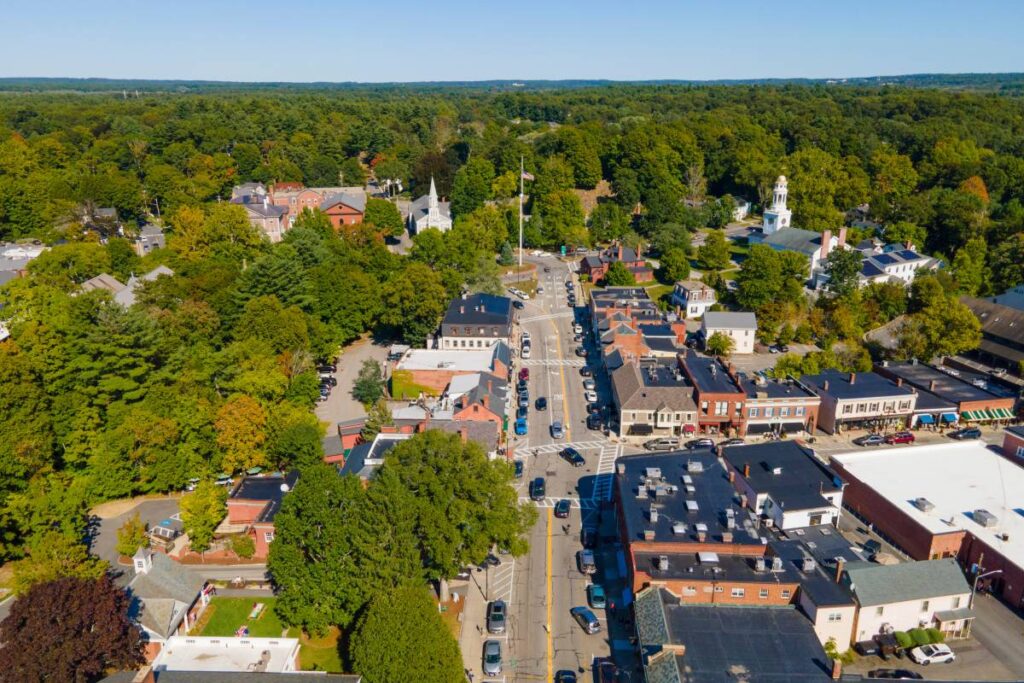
point(543, 637)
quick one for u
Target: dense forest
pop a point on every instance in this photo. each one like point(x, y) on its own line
point(213, 369)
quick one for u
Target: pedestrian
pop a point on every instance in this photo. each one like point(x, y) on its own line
point(479, 629)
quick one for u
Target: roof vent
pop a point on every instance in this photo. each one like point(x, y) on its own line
point(776, 470)
point(759, 564)
point(808, 565)
point(678, 528)
point(694, 466)
point(924, 505)
point(776, 564)
point(648, 534)
point(653, 515)
point(652, 472)
point(663, 562)
point(985, 518)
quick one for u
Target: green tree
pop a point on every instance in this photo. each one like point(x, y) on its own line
point(720, 344)
point(240, 432)
point(760, 278)
point(201, 512)
point(714, 253)
point(391, 637)
point(608, 222)
point(946, 329)
point(675, 266)
point(902, 232)
point(131, 536)
point(969, 266)
point(384, 215)
point(53, 555)
point(413, 302)
point(843, 270)
point(463, 505)
point(243, 546)
point(377, 415)
point(1007, 259)
point(369, 385)
point(507, 256)
point(335, 548)
point(472, 186)
point(618, 275)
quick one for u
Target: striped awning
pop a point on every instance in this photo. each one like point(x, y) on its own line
point(1003, 413)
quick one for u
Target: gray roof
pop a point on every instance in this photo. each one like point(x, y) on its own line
point(794, 239)
point(349, 199)
point(865, 385)
point(651, 387)
point(259, 207)
point(485, 433)
point(161, 596)
point(495, 389)
point(420, 207)
point(479, 309)
point(997, 320)
point(501, 352)
point(880, 584)
point(735, 321)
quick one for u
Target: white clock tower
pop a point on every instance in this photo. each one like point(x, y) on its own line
point(778, 217)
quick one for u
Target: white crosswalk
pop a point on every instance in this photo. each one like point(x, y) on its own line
point(546, 316)
point(554, 362)
point(605, 478)
point(575, 503)
point(558, 447)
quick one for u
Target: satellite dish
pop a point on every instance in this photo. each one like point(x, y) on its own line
point(284, 488)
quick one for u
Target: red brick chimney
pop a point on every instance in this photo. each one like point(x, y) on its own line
point(931, 385)
point(842, 236)
point(826, 242)
point(620, 251)
point(840, 565)
point(485, 400)
point(732, 476)
point(853, 378)
point(837, 669)
point(746, 469)
point(899, 381)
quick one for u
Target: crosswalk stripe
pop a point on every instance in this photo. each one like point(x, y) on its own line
point(558, 447)
point(554, 362)
point(575, 503)
point(546, 316)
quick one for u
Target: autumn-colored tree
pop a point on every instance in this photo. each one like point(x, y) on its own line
point(240, 432)
point(70, 629)
point(201, 512)
point(975, 186)
point(131, 536)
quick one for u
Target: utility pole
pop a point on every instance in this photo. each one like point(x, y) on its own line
point(521, 171)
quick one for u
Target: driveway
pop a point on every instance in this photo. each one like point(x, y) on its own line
point(151, 512)
point(752, 362)
point(1001, 630)
point(340, 405)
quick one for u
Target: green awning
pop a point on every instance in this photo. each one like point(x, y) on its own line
point(1004, 414)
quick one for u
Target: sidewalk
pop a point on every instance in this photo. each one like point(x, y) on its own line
point(474, 622)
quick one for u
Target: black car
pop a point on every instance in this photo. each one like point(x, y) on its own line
point(867, 648)
point(966, 433)
point(521, 412)
point(519, 469)
point(588, 537)
point(516, 303)
point(562, 508)
point(580, 351)
point(538, 489)
point(542, 403)
point(327, 367)
point(594, 422)
point(573, 457)
point(896, 674)
point(700, 443)
point(329, 381)
point(565, 676)
point(522, 386)
point(585, 371)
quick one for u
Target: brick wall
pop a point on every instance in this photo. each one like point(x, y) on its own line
point(698, 590)
point(1012, 442)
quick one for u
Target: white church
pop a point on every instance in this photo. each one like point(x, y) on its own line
point(427, 212)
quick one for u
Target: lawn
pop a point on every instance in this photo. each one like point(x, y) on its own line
point(224, 616)
point(660, 294)
point(450, 616)
point(319, 654)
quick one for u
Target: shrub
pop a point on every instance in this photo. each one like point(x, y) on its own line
point(243, 546)
point(919, 636)
point(935, 635)
point(904, 639)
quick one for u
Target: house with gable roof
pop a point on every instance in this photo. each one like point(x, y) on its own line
point(166, 598)
point(427, 212)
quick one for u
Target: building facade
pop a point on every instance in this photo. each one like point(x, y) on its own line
point(719, 398)
point(693, 298)
point(476, 321)
point(860, 400)
point(427, 212)
point(652, 399)
point(740, 327)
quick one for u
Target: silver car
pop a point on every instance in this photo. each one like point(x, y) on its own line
point(492, 657)
point(496, 617)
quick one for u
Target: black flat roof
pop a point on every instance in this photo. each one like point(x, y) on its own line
point(662, 374)
point(264, 488)
point(479, 309)
point(721, 568)
point(710, 498)
point(819, 582)
point(865, 385)
point(784, 471)
point(945, 385)
point(709, 375)
point(775, 388)
point(759, 645)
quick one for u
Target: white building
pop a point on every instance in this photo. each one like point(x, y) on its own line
point(427, 212)
point(693, 297)
point(778, 217)
point(740, 327)
point(892, 263)
point(741, 208)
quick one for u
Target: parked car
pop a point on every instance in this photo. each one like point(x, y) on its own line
point(577, 338)
point(589, 383)
point(966, 433)
point(519, 469)
point(872, 547)
point(547, 269)
point(606, 671)
point(492, 657)
point(783, 348)
point(330, 381)
point(516, 303)
point(327, 368)
point(496, 613)
point(596, 596)
point(524, 374)
point(521, 413)
point(525, 352)
point(538, 490)
point(573, 457)
point(900, 437)
point(541, 404)
point(896, 674)
point(577, 328)
point(938, 653)
point(565, 676)
point(586, 371)
point(562, 508)
point(773, 349)
point(870, 440)
point(556, 431)
point(588, 537)
point(580, 351)
point(585, 618)
point(700, 443)
point(867, 648)
point(585, 561)
point(594, 422)
point(521, 427)
point(733, 442)
point(666, 443)
point(524, 400)
point(540, 290)
point(590, 396)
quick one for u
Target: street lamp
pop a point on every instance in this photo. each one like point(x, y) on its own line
point(974, 586)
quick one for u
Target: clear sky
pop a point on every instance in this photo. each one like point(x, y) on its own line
point(420, 40)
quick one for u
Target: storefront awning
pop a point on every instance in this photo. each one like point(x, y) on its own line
point(689, 429)
point(926, 419)
point(1004, 413)
point(640, 430)
point(949, 417)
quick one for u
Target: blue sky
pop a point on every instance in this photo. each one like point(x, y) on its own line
point(407, 40)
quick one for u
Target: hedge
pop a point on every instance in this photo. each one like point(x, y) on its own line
point(919, 636)
point(904, 639)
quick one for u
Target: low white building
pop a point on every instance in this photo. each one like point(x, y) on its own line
point(693, 297)
point(908, 595)
point(741, 208)
point(740, 327)
point(427, 212)
point(226, 654)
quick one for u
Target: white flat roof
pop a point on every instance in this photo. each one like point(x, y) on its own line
point(196, 653)
point(957, 478)
point(477, 360)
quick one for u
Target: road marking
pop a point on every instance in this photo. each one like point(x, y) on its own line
point(554, 362)
point(574, 503)
point(501, 581)
point(604, 481)
point(551, 645)
point(546, 316)
point(558, 447)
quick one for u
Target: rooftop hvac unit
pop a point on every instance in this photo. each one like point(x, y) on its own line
point(663, 562)
point(652, 472)
point(759, 564)
point(678, 528)
point(687, 479)
point(776, 564)
point(985, 518)
point(808, 564)
point(690, 489)
point(730, 522)
point(924, 505)
point(654, 515)
point(694, 466)
point(691, 506)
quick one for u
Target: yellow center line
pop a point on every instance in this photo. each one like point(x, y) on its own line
point(551, 645)
point(565, 394)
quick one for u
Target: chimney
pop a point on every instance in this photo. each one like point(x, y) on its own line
point(824, 385)
point(826, 242)
point(702, 536)
point(620, 251)
point(853, 378)
point(840, 565)
point(837, 669)
point(743, 500)
point(732, 476)
point(931, 385)
point(144, 675)
point(485, 400)
point(746, 469)
point(726, 537)
point(899, 381)
point(909, 245)
point(842, 236)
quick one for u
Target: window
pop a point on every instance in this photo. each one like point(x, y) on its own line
point(784, 412)
point(904, 405)
point(888, 407)
point(721, 407)
point(924, 605)
point(874, 407)
point(879, 611)
point(739, 592)
point(753, 413)
point(268, 536)
point(768, 412)
point(1020, 451)
point(847, 409)
point(835, 617)
point(786, 593)
point(799, 410)
point(861, 407)
point(956, 602)
point(704, 406)
point(763, 594)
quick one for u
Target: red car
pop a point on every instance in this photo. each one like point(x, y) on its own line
point(900, 437)
point(524, 374)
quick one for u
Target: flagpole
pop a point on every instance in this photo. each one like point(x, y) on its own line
point(521, 212)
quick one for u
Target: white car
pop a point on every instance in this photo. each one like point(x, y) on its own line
point(525, 353)
point(540, 290)
point(577, 328)
point(590, 396)
point(932, 654)
point(589, 384)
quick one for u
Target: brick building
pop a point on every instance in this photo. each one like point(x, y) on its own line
point(778, 406)
point(719, 397)
point(595, 267)
point(1013, 443)
point(973, 403)
point(344, 209)
point(429, 371)
point(252, 505)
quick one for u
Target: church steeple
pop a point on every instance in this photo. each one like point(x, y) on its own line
point(433, 208)
point(432, 202)
point(778, 217)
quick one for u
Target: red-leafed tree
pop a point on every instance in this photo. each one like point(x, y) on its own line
point(69, 630)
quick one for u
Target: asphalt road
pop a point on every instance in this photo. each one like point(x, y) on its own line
point(542, 586)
